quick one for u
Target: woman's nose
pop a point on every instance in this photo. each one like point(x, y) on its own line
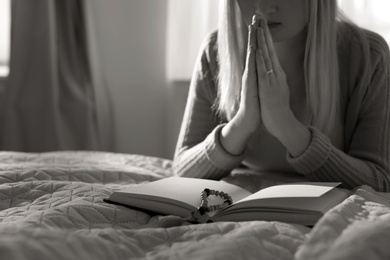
point(266, 7)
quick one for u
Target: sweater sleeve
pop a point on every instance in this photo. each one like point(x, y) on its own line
point(198, 152)
point(366, 161)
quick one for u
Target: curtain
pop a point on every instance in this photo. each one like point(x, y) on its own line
point(189, 22)
point(56, 98)
point(4, 36)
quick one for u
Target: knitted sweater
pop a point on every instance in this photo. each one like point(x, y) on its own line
point(362, 159)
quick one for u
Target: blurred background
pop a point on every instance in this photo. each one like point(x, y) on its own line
point(109, 75)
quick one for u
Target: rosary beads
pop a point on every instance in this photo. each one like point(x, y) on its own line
point(204, 207)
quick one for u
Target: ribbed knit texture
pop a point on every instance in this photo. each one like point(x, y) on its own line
point(365, 159)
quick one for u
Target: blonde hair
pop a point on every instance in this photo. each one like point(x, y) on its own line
point(320, 63)
point(231, 55)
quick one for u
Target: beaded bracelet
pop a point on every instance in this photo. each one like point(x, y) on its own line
point(198, 216)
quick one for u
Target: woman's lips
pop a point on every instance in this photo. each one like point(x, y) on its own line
point(273, 25)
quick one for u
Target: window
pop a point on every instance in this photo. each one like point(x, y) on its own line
point(5, 32)
point(369, 14)
point(189, 22)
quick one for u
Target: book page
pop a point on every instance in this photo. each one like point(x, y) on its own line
point(300, 197)
point(304, 205)
point(294, 190)
point(293, 203)
point(178, 191)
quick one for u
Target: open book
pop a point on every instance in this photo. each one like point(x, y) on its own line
point(301, 203)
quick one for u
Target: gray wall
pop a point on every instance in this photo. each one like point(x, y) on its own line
point(148, 110)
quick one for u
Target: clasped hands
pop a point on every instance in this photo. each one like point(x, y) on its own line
point(265, 94)
point(265, 99)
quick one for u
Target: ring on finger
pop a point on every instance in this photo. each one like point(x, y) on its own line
point(270, 71)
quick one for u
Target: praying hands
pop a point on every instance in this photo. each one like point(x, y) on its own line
point(264, 98)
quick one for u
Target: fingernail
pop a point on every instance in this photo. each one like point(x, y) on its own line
point(254, 18)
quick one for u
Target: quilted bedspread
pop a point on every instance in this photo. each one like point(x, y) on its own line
point(51, 207)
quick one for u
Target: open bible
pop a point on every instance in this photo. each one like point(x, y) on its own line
point(301, 203)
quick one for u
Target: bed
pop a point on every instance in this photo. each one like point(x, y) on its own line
point(51, 207)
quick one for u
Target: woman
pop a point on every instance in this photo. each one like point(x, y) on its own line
point(288, 86)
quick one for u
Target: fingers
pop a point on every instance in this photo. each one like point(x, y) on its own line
point(252, 42)
point(269, 44)
point(261, 69)
point(264, 49)
point(265, 68)
point(250, 54)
